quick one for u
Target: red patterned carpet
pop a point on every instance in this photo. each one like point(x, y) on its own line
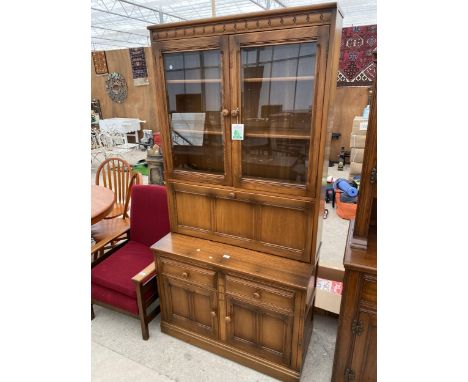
point(356, 66)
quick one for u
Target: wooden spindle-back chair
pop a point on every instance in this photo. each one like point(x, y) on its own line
point(115, 174)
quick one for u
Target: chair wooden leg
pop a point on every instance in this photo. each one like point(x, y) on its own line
point(144, 328)
point(92, 312)
point(142, 312)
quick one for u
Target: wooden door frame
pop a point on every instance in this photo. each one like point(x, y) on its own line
point(184, 45)
point(318, 34)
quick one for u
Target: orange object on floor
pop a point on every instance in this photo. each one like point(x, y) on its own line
point(344, 210)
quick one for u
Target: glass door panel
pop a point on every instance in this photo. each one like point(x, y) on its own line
point(277, 94)
point(194, 101)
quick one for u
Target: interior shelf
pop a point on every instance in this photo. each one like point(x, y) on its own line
point(273, 79)
point(196, 81)
point(285, 134)
point(200, 132)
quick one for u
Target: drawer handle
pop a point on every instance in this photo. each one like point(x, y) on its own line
point(256, 295)
point(184, 274)
point(227, 318)
point(232, 195)
point(213, 313)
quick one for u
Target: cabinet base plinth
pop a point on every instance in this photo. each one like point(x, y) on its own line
point(223, 350)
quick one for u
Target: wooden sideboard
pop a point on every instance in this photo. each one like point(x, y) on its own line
point(356, 346)
point(356, 343)
point(238, 270)
point(242, 304)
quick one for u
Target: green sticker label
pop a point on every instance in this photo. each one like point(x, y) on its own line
point(237, 132)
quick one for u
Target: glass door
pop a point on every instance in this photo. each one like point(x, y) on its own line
point(279, 82)
point(196, 83)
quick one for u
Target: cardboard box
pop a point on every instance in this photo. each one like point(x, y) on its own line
point(329, 288)
point(357, 141)
point(355, 169)
point(357, 155)
point(328, 295)
point(359, 126)
point(329, 272)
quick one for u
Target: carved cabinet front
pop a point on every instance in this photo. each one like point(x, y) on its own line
point(258, 330)
point(191, 307)
point(250, 316)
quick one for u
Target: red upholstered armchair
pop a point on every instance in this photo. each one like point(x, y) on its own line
point(124, 279)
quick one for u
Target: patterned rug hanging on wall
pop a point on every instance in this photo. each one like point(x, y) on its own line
point(139, 70)
point(356, 59)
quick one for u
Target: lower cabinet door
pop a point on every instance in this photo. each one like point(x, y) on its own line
point(191, 307)
point(259, 331)
point(364, 358)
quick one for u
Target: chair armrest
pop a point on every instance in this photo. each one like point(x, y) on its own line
point(102, 243)
point(145, 274)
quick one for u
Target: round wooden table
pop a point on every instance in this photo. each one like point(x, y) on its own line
point(102, 202)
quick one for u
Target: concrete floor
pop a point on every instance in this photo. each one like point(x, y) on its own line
point(120, 355)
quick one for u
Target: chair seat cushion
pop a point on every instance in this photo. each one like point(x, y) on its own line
point(113, 298)
point(117, 270)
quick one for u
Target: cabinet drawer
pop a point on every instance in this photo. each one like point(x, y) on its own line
point(189, 273)
point(369, 291)
point(259, 293)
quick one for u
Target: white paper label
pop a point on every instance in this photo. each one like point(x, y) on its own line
point(237, 132)
point(363, 126)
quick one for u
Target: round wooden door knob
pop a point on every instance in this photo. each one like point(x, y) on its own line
point(225, 113)
point(213, 313)
point(256, 295)
point(228, 319)
point(235, 112)
point(232, 195)
point(185, 274)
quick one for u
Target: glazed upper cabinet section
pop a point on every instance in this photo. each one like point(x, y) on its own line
point(196, 83)
point(278, 85)
point(271, 82)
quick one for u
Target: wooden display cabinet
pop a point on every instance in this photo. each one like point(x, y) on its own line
point(356, 343)
point(258, 200)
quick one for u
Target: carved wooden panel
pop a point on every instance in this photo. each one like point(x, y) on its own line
point(275, 225)
point(259, 331)
point(369, 291)
point(285, 227)
point(261, 294)
point(191, 307)
point(196, 275)
point(228, 214)
point(248, 23)
point(364, 361)
point(193, 210)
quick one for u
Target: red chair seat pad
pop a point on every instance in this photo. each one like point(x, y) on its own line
point(116, 272)
point(113, 298)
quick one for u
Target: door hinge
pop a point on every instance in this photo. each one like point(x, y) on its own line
point(373, 175)
point(349, 374)
point(356, 327)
